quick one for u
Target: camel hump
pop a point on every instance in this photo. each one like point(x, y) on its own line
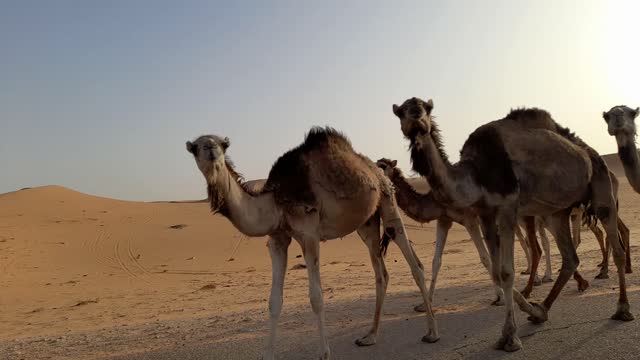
point(289, 178)
point(492, 167)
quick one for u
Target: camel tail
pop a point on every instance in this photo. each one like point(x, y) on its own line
point(589, 215)
point(384, 243)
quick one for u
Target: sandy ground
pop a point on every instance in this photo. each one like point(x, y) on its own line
point(84, 277)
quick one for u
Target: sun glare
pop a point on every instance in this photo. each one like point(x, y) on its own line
point(621, 48)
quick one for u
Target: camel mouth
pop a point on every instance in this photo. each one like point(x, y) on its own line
point(418, 129)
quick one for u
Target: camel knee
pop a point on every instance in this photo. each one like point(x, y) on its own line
point(275, 306)
point(506, 276)
point(315, 296)
point(570, 264)
point(602, 213)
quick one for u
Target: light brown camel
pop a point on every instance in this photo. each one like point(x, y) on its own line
point(522, 165)
point(424, 208)
point(621, 124)
point(318, 191)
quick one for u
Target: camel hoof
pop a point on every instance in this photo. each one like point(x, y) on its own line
point(430, 338)
point(537, 281)
point(547, 279)
point(509, 343)
point(539, 314)
point(583, 285)
point(498, 302)
point(326, 355)
point(420, 308)
point(368, 340)
point(602, 275)
point(623, 315)
point(628, 271)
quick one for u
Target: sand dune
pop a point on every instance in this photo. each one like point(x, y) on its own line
point(87, 277)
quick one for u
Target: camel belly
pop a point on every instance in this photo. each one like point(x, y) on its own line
point(340, 217)
point(552, 173)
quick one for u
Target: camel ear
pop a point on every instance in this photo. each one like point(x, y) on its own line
point(192, 148)
point(605, 116)
point(637, 111)
point(394, 163)
point(397, 111)
point(429, 106)
point(225, 143)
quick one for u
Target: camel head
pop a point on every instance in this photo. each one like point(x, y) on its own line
point(209, 153)
point(621, 120)
point(415, 117)
point(388, 166)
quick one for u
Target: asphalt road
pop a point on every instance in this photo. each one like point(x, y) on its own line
point(578, 328)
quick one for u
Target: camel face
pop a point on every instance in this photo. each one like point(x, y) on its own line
point(209, 151)
point(414, 115)
point(621, 120)
point(387, 166)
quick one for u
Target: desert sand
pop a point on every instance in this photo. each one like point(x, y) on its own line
point(85, 277)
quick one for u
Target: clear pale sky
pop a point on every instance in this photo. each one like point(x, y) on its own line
point(100, 96)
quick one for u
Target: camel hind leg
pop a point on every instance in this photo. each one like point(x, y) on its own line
point(606, 211)
point(534, 247)
point(559, 224)
point(525, 247)
point(370, 234)
point(540, 227)
point(394, 226)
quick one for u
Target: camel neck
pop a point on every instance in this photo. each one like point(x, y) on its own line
point(628, 154)
point(419, 207)
point(451, 185)
point(253, 214)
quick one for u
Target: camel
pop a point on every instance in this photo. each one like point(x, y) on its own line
point(318, 191)
point(424, 208)
point(621, 124)
point(522, 165)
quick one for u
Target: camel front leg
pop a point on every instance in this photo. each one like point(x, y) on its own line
point(600, 237)
point(442, 230)
point(506, 224)
point(609, 219)
point(576, 220)
point(278, 246)
point(311, 251)
point(473, 228)
point(624, 233)
point(370, 234)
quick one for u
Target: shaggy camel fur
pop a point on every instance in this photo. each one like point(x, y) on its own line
point(318, 191)
point(523, 165)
